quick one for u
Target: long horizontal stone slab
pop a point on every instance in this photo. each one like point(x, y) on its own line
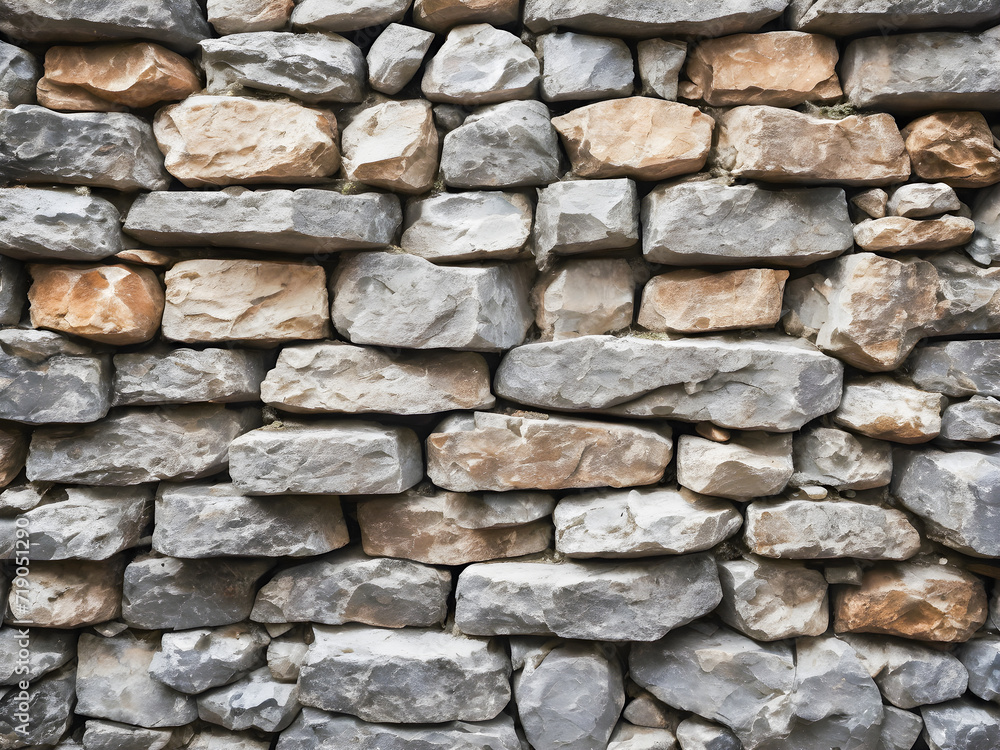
point(57, 225)
point(769, 382)
point(852, 17)
point(292, 221)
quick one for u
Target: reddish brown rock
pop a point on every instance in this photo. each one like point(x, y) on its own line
point(441, 15)
point(114, 304)
point(13, 451)
point(640, 137)
point(955, 148)
point(72, 98)
point(894, 233)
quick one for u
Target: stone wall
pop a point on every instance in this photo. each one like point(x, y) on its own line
point(475, 375)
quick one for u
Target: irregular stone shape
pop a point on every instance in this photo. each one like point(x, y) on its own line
point(976, 420)
point(441, 15)
point(45, 377)
point(47, 650)
point(895, 233)
point(256, 701)
point(200, 520)
point(401, 300)
point(873, 201)
point(319, 730)
point(179, 376)
point(734, 376)
point(639, 137)
point(285, 656)
point(349, 586)
point(692, 301)
point(308, 67)
point(711, 223)
point(769, 600)
point(919, 199)
point(629, 737)
point(512, 144)
point(57, 225)
point(851, 17)
point(961, 723)
point(750, 465)
point(13, 452)
point(20, 73)
point(467, 226)
point(585, 216)
point(112, 735)
point(135, 445)
point(782, 145)
point(646, 711)
point(956, 494)
point(479, 64)
point(68, 594)
point(252, 301)
point(13, 290)
point(231, 140)
point(393, 145)
point(497, 510)
point(722, 676)
point(40, 715)
point(306, 221)
point(165, 593)
point(935, 70)
point(883, 408)
point(72, 98)
point(110, 304)
point(577, 67)
point(981, 657)
point(642, 523)
point(177, 24)
point(955, 148)
point(913, 600)
point(836, 458)
point(584, 297)
point(908, 674)
point(569, 696)
point(817, 529)
point(695, 733)
point(216, 738)
point(900, 729)
point(138, 75)
point(777, 68)
point(408, 676)
point(112, 150)
point(193, 661)
point(660, 64)
point(327, 457)
point(394, 58)
point(337, 15)
point(985, 244)
point(238, 16)
point(661, 19)
point(599, 600)
point(496, 452)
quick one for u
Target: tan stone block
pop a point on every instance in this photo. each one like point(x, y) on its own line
point(955, 148)
point(640, 137)
point(229, 140)
point(692, 301)
point(72, 98)
point(584, 297)
point(780, 68)
point(13, 451)
point(115, 304)
point(68, 594)
point(393, 145)
point(882, 408)
point(441, 15)
point(895, 233)
point(238, 16)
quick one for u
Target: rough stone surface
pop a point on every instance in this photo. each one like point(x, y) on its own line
point(13, 290)
point(957, 368)
point(335, 15)
point(883, 408)
point(584, 297)
point(13, 452)
point(49, 650)
point(179, 376)
point(961, 723)
point(578, 67)
point(753, 464)
point(660, 63)
point(851, 17)
point(919, 199)
point(57, 225)
point(44, 716)
point(585, 216)
point(695, 733)
point(839, 459)
point(396, 56)
point(20, 73)
point(981, 658)
point(954, 147)
point(393, 145)
point(109, 735)
point(975, 420)
point(441, 15)
point(497, 510)
point(69, 594)
point(895, 233)
point(256, 701)
point(873, 201)
point(193, 661)
point(238, 16)
point(900, 729)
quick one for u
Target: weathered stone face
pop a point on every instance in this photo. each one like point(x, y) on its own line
point(577, 67)
point(20, 73)
point(660, 62)
point(256, 701)
point(192, 661)
point(585, 216)
point(880, 407)
point(441, 15)
point(393, 145)
point(334, 15)
point(69, 594)
point(850, 17)
point(955, 148)
point(919, 199)
point(237, 16)
point(749, 465)
point(584, 297)
point(178, 376)
point(840, 459)
point(396, 56)
point(13, 452)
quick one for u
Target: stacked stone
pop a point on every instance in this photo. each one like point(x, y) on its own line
point(485, 375)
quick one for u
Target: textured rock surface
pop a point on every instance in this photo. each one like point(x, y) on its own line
point(850, 17)
point(920, 199)
point(21, 72)
point(896, 233)
point(957, 368)
point(840, 459)
point(178, 376)
point(660, 63)
point(585, 216)
point(749, 465)
point(583, 297)
point(13, 290)
point(578, 67)
point(396, 56)
point(193, 661)
point(954, 147)
point(325, 15)
point(237, 16)
point(57, 225)
point(256, 701)
point(72, 594)
point(975, 420)
point(880, 407)
point(393, 145)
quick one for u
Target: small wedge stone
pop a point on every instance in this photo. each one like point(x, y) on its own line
point(660, 64)
point(396, 56)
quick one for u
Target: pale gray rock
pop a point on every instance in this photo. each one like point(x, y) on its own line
point(192, 661)
point(350, 586)
point(57, 225)
point(401, 300)
point(985, 244)
point(217, 520)
point(19, 72)
point(47, 649)
point(871, 202)
point(41, 715)
point(46, 377)
point(473, 225)
point(408, 676)
point(113, 735)
point(310, 67)
point(957, 368)
point(326, 457)
point(961, 724)
point(660, 63)
point(332, 376)
point(931, 70)
point(839, 459)
point(506, 145)
point(68, 594)
point(479, 64)
point(752, 464)
point(395, 56)
point(881, 407)
point(570, 696)
point(346, 15)
point(577, 67)
point(695, 733)
point(238, 16)
point(956, 494)
point(172, 594)
point(580, 297)
point(817, 529)
point(630, 737)
point(304, 221)
point(22, 497)
point(852, 17)
point(900, 729)
point(256, 701)
point(981, 658)
point(98, 149)
point(113, 682)
point(767, 383)
point(13, 290)
point(919, 199)
point(319, 730)
point(497, 510)
point(135, 445)
point(769, 600)
point(642, 523)
point(975, 420)
point(608, 601)
point(710, 222)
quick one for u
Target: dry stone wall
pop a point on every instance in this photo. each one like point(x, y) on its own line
point(499, 375)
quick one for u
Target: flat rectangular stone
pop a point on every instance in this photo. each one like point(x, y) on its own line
point(852, 17)
point(181, 376)
point(13, 290)
point(57, 225)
